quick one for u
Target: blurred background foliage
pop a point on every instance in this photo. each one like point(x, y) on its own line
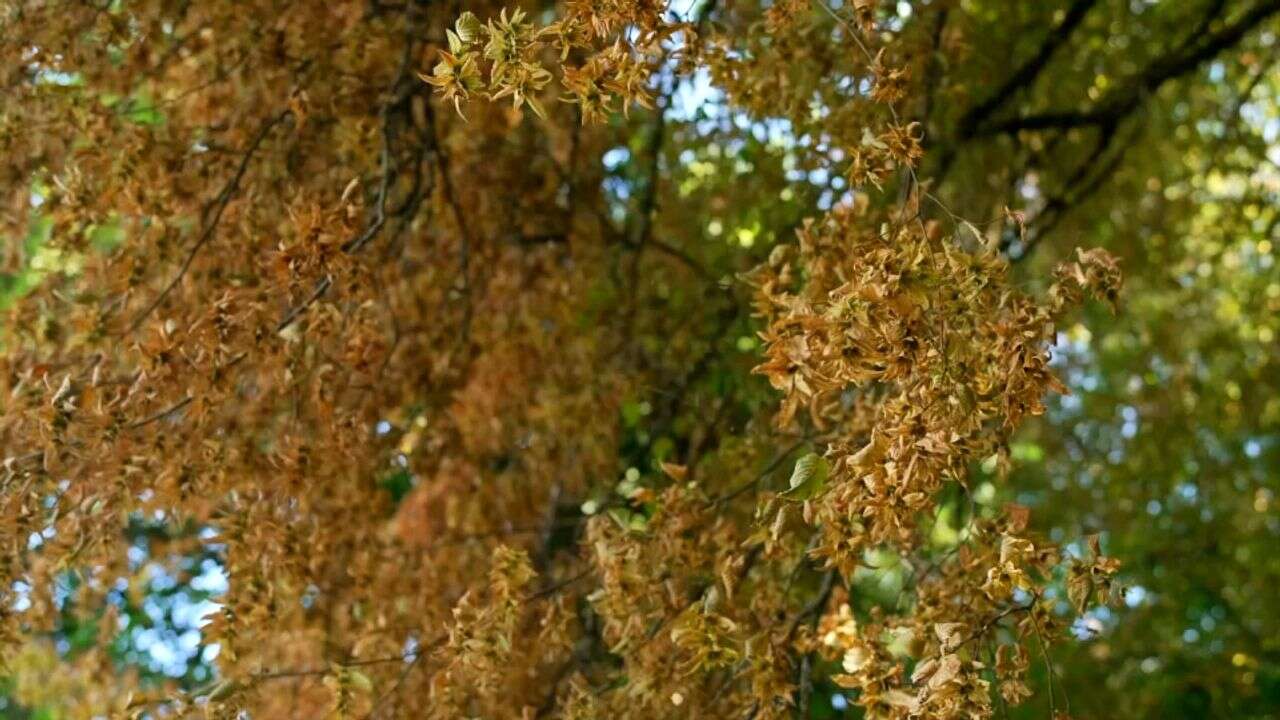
point(1169, 443)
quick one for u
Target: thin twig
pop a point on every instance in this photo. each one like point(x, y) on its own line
point(812, 611)
point(321, 288)
point(220, 205)
point(815, 604)
point(768, 469)
point(556, 587)
point(163, 413)
point(313, 672)
point(395, 689)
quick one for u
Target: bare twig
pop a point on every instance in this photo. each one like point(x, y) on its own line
point(321, 288)
point(163, 413)
point(556, 587)
point(768, 469)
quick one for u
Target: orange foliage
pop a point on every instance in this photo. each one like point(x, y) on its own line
point(330, 277)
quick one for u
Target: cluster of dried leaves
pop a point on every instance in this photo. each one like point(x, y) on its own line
point(376, 288)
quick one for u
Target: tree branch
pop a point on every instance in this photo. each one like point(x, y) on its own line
point(1121, 102)
point(1029, 71)
point(220, 204)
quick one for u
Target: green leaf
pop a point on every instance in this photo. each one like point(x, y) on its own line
point(808, 478)
point(468, 26)
point(397, 484)
point(629, 521)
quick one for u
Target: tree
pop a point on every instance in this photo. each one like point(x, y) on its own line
point(618, 358)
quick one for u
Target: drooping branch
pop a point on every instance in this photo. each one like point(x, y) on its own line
point(397, 107)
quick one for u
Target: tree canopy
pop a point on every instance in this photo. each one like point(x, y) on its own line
point(796, 358)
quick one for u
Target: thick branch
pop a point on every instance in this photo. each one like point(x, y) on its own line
point(1123, 101)
point(1026, 75)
